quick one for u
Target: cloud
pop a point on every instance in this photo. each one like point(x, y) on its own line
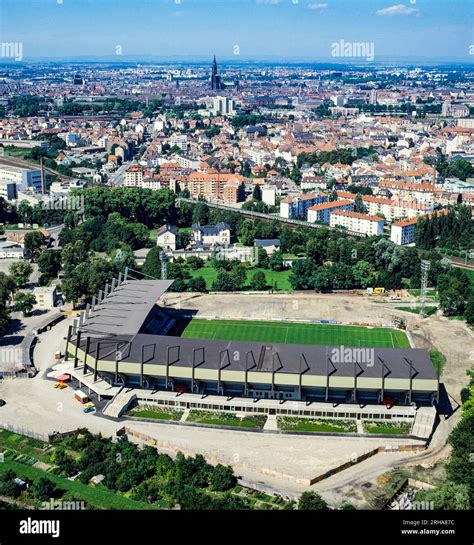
point(268, 2)
point(318, 6)
point(398, 9)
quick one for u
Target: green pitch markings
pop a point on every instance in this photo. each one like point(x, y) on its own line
point(295, 333)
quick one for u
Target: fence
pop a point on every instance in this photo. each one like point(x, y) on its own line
point(14, 374)
point(20, 430)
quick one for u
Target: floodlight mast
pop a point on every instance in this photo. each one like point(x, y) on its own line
point(425, 268)
point(164, 266)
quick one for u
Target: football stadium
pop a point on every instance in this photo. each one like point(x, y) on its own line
point(127, 338)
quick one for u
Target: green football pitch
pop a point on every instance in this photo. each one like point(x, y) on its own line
point(295, 333)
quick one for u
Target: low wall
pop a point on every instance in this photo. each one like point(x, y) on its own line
point(212, 458)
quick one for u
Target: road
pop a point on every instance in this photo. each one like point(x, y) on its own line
point(117, 177)
point(54, 233)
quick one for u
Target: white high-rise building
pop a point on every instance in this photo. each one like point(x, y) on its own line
point(223, 106)
point(338, 100)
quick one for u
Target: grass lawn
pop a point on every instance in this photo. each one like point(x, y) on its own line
point(295, 333)
point(309, 424)
point(431, 292)
point(226, 419)
point(387, 428)
point(158, 413)
point(429, 310)
point(23, 445)
point(276, 280)
point(98, 497)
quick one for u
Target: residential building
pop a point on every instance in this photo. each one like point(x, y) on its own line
point(179, 140)
point(269, 194)
point(297, 207)
point(167, 237)
point(269, 245)
point(134, 176)
point(211, 234)
point(357, 223)
point(403, 232)
point(211, 185)
point(322, 212)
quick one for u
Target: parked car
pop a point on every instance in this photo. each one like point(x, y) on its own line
point(2, 402)
point(89, 407)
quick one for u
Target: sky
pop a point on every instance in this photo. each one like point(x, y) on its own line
point(240, 29)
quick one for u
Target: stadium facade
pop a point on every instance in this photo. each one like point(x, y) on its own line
point(122, 338)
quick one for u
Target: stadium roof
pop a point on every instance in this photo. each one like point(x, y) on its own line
point(124, 311)
point(286, 358)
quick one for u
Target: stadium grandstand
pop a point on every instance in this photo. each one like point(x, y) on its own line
point(126, 338)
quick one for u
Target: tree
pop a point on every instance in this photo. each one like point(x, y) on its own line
point(301, 276)
point(257, 193)
point(310, 501)
point(359, 205)
point(223, 281)
point(262, 258)
point(459, 467)
point(315, 249)
point(469, 312)
point(238, 274)
point(275, 262)
point(321, 281)
point(448, 496)
point(453, 291)
point(33, 243)
point(49, 264)
point(258, 281)
point(201, 213)
point(24, 302)
point(20, 271)
point(195, 262)
point(333, 196)
point(340, 276)
point(10, 488)
point(222, 478)
point(247, 233)
point(152, 265)
point(197, 284)
point(362, 273)
point(44, 489)
point(7, 287)
point(87, 279)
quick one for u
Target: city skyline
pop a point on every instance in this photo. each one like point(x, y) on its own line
point(239, 30)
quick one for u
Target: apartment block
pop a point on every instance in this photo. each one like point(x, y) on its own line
point(322, 212)
point(357, 223)
point(297, 207)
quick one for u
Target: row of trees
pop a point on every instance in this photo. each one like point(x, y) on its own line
point(452, 230)
point(346, 156)
point(10, 286)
